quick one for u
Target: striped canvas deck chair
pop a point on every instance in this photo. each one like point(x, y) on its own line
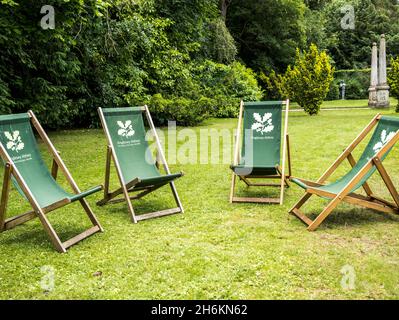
point(384, 137)
point(25, 168)
point(258, 154)
point(136, 169)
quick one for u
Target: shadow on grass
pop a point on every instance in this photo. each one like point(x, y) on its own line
point(258, 191)
point(353, 217)
point(36, 237)
point(142, 206)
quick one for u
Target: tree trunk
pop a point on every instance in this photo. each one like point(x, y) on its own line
point(224, 4)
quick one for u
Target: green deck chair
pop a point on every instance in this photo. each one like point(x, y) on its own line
point(260, 156)
point(136, 169)
point(29, 174)
point(385, 135)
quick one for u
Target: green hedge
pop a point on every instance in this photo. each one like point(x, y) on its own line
point(357, 84)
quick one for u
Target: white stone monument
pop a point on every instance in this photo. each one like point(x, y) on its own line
point(373, 77)
point(382, 87)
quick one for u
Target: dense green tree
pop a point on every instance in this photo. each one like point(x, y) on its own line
point(197, 28)
point(267, 32)
point(41, 68)
point(350, 48)
point(314, 27)
point(316, 4)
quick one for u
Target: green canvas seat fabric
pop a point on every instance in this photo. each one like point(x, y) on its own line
point(386, 128)
point(261, 144)
point(128, 135)
point(247, 170)
point(16, 135)
point(162, 179)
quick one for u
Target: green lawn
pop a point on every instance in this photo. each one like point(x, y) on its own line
point(215, 250)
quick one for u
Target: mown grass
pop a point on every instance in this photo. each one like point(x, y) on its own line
point(215, 250)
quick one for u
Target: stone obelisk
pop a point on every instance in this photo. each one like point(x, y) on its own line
point(373, 77)
point(382, 87)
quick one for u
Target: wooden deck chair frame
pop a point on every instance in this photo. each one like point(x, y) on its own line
point(11, 170)
point(282, 176)
point(128, 187)
point(370, 201)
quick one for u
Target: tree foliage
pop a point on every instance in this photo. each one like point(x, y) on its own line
point(112, 53)
point(188, 57)
point(267, 32)
point(393, 80)
point(308, 81)
point(350, 48)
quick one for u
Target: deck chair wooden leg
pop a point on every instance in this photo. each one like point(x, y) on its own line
point(365, 185)
point(245, 181)
point(295, 209)
point(50, 231)
point(129, 204)
point(326, 211)
point(387, 180)
point(176, 196)
point(233, 183)
point(289, 156)
point(282, 187)
point(107, 172)
point(285, 151)
point(4, 195)
point(283, 183)
point(286, 179)
point(301, 202)
point(90, 214)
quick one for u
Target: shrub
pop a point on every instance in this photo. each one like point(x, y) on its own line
point(308, 81)
point(241, 83)
point(225, 107)
point(355, 89)
point(226, 85)
point(333, 92)
point(273, 86)
point(357, 84)
point(393, 80)
point(182, 110)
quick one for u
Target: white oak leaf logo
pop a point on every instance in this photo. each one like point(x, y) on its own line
point(14, 141)
point(263, 124)
point(125, 129)
point(384, 139)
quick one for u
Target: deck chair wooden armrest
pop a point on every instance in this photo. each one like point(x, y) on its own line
point(86, 193)
point(29, 174)
point(70, 199)
point(305, 183)
point(385, 136)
